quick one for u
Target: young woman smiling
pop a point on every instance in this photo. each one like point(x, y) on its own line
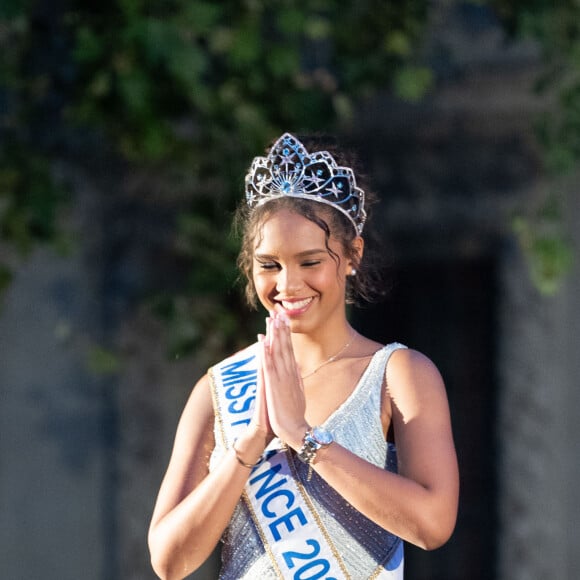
point(315, 452)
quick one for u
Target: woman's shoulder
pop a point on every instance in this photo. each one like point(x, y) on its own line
point(411, 375)
point(409, 360)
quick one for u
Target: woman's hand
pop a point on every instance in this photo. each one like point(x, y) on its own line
point(284, 392)
point(260, 422)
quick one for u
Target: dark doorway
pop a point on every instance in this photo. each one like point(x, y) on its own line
point(445, 309)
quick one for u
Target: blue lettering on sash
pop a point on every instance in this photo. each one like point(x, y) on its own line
point(231, 374)
point(241, 422)
point(274, 500)
point(239, 391)
point(246, 405)
point(265, 506)
point(269, 490)
point(315, 569)
point(268, 475)
point(240, 387)
point(286, 519)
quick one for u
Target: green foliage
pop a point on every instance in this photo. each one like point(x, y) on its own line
point(29, 200)
point(237, 68)
point(102, 361)
point(189, 90)
point(5, 278)
point(546, 246)
point(555, 25)
point(412, 83)
point(31, 196)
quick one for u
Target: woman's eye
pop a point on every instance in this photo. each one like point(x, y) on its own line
point(311, 263)
point(268, 265)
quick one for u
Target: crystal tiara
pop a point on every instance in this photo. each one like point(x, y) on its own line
point(290, 170)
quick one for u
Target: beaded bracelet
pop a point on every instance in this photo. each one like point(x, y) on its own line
point(242, 462)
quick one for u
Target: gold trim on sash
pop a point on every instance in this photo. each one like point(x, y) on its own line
point(283, 457)
point(308, 502)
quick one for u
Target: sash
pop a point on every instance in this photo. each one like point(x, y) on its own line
point(293, 535)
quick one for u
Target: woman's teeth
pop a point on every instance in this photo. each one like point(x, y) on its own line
point(296, 305)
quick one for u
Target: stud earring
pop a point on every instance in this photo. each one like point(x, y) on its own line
point(353, 272)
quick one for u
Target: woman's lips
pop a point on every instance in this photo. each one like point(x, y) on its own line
point(295, 306)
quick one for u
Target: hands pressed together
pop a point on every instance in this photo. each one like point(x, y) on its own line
point(280, 402)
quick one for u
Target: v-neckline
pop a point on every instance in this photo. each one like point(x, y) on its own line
point(355, 391)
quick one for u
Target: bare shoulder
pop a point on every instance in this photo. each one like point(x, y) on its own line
point(195, 429)
point(406, 363)
point(414, 382)
point(199, 406)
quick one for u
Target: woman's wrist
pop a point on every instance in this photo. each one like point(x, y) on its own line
point(296, 439)
point(241, 458)
point(250, 446)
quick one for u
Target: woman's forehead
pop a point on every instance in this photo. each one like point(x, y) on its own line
point(286, 226)
point(287, 232)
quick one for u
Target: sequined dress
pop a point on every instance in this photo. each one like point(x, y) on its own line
point(365, 547)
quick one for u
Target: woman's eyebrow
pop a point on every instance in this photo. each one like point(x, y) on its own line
point(305, 254)
point(312, 252)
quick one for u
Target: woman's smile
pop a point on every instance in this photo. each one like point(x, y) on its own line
point(298, 272)
point(295, 307)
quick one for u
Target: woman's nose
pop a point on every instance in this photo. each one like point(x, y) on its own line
point(289, 281)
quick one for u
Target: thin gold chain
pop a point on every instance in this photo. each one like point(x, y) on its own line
point(329, 359)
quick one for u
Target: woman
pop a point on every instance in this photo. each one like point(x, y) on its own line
point(286, 450)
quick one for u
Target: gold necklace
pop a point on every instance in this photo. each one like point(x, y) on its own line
point(330, 359)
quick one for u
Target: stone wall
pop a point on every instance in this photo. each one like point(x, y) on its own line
point(55, 491)
point(539, 412)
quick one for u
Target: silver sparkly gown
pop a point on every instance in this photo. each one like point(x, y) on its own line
point(365, 547)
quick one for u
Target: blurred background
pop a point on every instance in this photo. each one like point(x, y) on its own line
point(126, 127)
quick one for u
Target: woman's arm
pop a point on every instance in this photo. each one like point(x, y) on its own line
point(420, 503)
point(194, 506)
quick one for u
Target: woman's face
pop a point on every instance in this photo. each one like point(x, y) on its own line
point(294, 273)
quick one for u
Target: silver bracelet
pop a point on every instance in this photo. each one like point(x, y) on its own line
point(242, 462)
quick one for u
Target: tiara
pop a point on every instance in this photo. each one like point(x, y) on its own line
point(290, 170)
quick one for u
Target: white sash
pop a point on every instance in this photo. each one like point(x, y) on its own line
point(289, 526)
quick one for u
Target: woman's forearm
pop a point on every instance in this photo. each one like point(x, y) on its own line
point(422, 515)
point(183, 538)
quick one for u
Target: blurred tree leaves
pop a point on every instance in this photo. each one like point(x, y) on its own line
point(555, 25)
point(544, 241)
point(232, 68)
point(188, 91)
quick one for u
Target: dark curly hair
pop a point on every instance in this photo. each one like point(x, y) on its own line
point(368, 283)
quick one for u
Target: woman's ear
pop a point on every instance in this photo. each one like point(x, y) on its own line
point(358, 244)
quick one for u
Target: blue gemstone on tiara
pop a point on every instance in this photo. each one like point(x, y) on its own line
point(290, 170)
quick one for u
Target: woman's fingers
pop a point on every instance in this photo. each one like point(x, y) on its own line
point(284, 393)
point(261, 417)
point(281, 349)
